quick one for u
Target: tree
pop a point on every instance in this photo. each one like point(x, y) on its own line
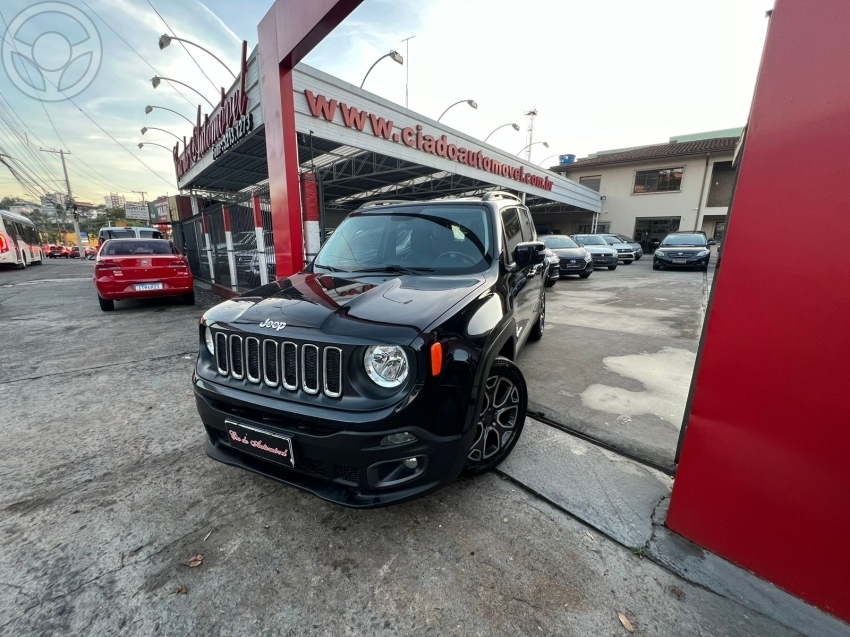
point(5, 202)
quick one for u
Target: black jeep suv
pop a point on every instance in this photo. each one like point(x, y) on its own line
point(384, 368)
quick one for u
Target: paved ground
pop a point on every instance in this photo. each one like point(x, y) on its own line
point(107, 492)
point(618, 354)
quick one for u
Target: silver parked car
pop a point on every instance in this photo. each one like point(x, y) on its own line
point(621, 238)
point(599, 249)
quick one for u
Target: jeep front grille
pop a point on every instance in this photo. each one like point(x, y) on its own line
point(310, 368)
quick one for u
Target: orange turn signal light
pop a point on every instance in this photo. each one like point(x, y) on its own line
point(436, 359)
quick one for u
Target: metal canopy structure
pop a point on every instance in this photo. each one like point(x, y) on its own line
point(349, 176)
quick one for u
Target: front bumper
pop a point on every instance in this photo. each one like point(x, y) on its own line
point(342, 462)
point(689, 262)
point(605, 259)
point(578, 267)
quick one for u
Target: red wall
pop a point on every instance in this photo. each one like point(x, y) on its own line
point(764, 476)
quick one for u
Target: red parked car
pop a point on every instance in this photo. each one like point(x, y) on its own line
point(74, 252)
point(59, 251)
point(141, 269)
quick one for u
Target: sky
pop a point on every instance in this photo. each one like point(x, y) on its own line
point(603, 74)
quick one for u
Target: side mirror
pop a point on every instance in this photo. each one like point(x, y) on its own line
point(712, 242)
point(529, 253)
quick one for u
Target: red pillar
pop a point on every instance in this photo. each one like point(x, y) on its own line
point(764, 476)
point(286, 34)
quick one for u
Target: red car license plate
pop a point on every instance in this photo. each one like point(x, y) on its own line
point(260, 443)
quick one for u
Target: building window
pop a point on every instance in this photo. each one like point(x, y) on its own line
point(591, 182)
point(722, 181)
point(603, 227)
point(663, 180)
point(719, 230)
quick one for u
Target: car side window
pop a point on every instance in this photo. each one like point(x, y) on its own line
point(513, 230)
point(528, 232)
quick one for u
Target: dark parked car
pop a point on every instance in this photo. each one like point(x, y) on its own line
point(621, 238)
point(600, 251)
point(384, 368)
point(573, 259)
point(554, 271)
point(683, 250)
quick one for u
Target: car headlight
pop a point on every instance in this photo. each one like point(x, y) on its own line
point(386, 365)
point(209, 341)
point(660, 253)
point(587, 257)
point(703, 253)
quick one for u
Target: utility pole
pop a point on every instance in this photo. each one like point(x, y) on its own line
point(70, 202)
point(531, 115)
point(406, 65)
point(142, 193)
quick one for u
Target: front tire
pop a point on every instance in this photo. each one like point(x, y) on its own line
point(501, 418)
point(551, 282)
point(106, 305)
point(655, 266)
point(612, 267)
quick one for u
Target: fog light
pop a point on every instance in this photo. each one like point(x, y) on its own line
point(398, 439)
point(411, 463)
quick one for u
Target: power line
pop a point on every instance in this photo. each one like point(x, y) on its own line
point(215, 88)
point(192, 104)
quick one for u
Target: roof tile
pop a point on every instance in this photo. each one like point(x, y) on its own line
point(657, 151)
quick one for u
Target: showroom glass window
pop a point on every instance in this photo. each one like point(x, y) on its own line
point(661, 180)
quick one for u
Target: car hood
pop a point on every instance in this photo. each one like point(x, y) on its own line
point(364, 306)
point(680, 248)
point(600, 250)
point(569, 253)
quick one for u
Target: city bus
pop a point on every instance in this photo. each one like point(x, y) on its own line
point(20, 243)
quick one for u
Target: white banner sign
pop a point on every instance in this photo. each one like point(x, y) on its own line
point(137, 211)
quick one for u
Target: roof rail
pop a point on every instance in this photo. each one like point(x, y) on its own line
point(383, 202)
point(499, 194)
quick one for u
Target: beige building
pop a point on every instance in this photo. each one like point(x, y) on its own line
point(648, 191)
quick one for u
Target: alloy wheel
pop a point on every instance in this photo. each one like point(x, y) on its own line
point(498, 418)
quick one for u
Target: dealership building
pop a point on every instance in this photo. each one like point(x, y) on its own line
point(648, 191)
point(351, 147)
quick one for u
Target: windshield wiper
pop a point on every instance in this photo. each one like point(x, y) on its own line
point(397, 268)
point(329, 268)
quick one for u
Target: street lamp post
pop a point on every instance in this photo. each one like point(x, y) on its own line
point(165, 40)
point(153, 144)
point(396, 57)
point(145, 129)
point(549, 157)
point(514, 126)
point(472, 103)
point(149, 109)
point(545, 145)
point(156, 79)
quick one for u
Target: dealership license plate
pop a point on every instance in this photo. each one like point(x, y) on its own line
point(141, 287)
point(680, 261)
point(260, 443)
point(573, 265)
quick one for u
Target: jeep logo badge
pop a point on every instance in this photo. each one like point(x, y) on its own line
point(274, 325)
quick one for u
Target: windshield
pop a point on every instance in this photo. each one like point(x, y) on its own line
point(443, 239)
point(590, 240)
point(556, 241)
point(612, 240)
point(125, 248)
point(684, 240)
